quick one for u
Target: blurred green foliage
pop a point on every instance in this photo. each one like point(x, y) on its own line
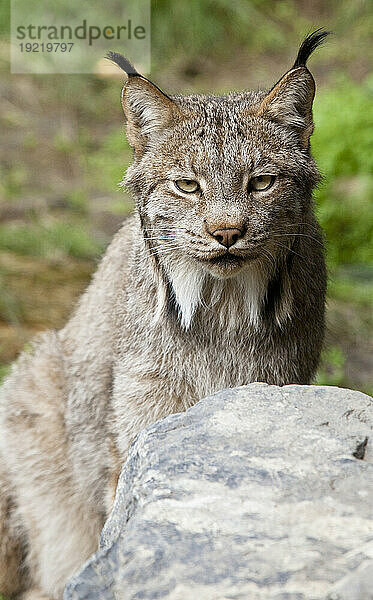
point(103, 171)
point(331, 371)
point(185, 31)
point(343, 147)
point(4, 370)
point(55, 240)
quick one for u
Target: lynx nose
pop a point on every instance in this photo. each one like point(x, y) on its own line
point(227, 237)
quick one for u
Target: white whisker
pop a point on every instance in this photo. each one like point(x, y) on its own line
point(298, 234)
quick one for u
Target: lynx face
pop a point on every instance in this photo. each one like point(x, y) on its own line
point(223, 188)
point(223, 184)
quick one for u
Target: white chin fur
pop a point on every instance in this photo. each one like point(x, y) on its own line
point(240, 296)
point(187, 280)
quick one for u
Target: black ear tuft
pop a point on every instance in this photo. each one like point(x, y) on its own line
point(309, 45)
point(123, 63)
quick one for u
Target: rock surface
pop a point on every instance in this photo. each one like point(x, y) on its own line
point(252, 494)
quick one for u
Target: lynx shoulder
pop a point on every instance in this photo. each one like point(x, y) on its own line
point(217, 280)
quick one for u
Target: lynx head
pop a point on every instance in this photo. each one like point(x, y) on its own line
point(220, 182)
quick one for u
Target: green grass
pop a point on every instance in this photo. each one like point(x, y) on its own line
point(332, 367)
point(353, 283)
point(343, 147)
point(186, 33)
point(4, 370)
point(350, 324)
point(105, 166)
point(55, 240)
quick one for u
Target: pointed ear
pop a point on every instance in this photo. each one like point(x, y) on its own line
point(289, 102)
point(148, 111)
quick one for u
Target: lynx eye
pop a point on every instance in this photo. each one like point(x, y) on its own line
point(187, 185)
point(261, 182)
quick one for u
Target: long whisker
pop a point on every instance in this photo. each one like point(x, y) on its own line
point(157, 238)
point(280, 234)
point(269, 257)
point(170, 229)
point(163, 251)
point(166, 243)
point(301, 225)
point(166, 246)
point(290, 250)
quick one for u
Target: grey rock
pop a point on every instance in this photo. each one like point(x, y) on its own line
point(357, 585)
point(252, 494)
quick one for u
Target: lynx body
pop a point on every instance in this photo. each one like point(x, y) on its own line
point(218, 280)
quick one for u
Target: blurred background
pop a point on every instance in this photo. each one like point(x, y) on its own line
point(63, 153)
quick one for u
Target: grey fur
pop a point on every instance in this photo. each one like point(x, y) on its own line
point(169, 317)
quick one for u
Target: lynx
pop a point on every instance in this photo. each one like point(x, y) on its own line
point(216, 281)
